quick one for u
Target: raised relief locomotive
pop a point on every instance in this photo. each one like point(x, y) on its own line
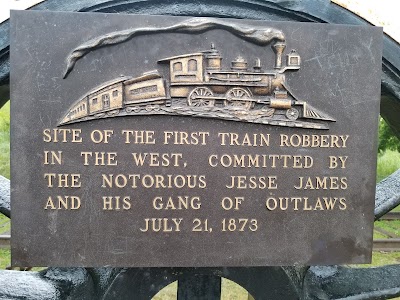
point(199, 86)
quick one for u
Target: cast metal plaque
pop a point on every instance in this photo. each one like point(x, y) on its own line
point(169, 141)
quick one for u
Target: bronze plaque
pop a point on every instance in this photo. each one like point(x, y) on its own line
point(176, 141)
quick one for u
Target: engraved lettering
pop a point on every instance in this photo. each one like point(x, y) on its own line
point(252, 182)
point(313, 141)
point(185, 138)
point(62, 180)
point(116, 203)
point(153, 181)
point(182, 202)
point(336, 161)
point(161, 225)
point(201, 226)
point(252, 140)
point(101, 136)
point(321, 183)
point(157, 159)
point(139, 137)
point(62, 135)
point(52, 158)
point(63, 202)
point(228, 203)
point(261, 161)
point(100, 158)
point(305, 203)
point(241, 224)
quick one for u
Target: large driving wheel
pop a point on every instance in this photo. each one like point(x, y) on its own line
point(201, 97)
point(234, 95)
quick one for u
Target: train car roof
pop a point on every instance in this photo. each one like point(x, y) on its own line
point(179, 56)
point(106, 84)
point(153, 74)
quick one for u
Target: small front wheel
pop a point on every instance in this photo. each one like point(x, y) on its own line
point(292, 114)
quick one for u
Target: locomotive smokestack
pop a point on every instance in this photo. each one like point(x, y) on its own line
point(213, 59)
point(278, 49)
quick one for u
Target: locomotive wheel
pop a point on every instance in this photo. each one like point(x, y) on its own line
point(196, 97)
point(237, 93)
point(292, 113)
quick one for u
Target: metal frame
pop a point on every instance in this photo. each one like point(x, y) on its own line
point(305, 283)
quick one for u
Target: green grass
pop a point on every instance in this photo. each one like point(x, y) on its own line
point(5, 255)
point(378, 235)
point(381, 258)
point(388, 162)
point(232, 291)
point(229, 291)
point(5, 117)
point(4, 224)
point(385, 258)
point(170, 292)
point(392, 226)
point(5, 140)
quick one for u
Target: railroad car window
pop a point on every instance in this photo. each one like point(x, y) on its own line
point(115, 93)
point(177, 66)
point(94, 101)
point(106, 100)
point(192, 65)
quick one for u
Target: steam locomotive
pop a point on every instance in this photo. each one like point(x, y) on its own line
point(200, 79)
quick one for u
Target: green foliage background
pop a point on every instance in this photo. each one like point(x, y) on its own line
point(388, 151)
point(5, 140)
point(387, 139)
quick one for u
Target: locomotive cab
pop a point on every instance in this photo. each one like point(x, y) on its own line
point(187, 69)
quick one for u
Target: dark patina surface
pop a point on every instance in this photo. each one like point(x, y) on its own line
point(330, 78)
